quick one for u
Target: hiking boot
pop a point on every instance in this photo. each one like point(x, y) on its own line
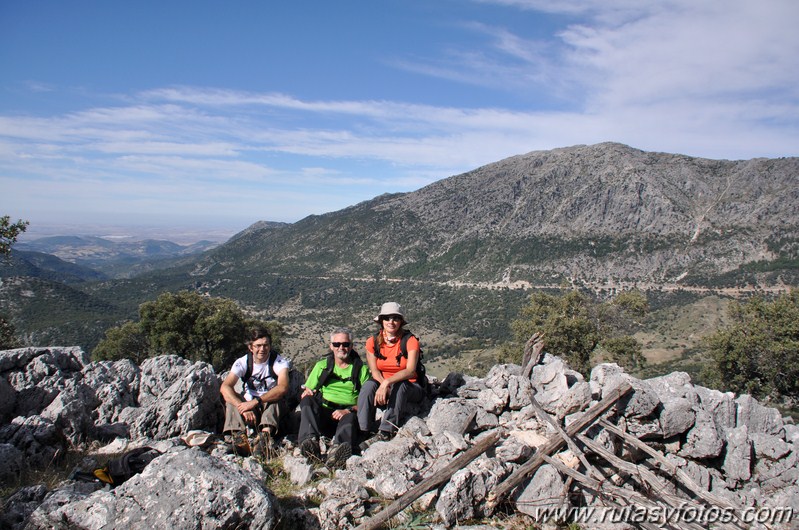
point(309, 448)
point(264, 445)
point(338, 455)
point(241, 444)
point(381, 436)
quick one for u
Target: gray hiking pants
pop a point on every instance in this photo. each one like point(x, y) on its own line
point(401, 394)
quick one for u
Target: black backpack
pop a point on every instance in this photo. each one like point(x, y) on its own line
point(120, 469)
point(421, 372)
point(357, 365)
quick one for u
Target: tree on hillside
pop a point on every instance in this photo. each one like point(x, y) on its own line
point(576, 326)
point(199, 328)
point(123, 342)
point(9, 232)
point(8, 335)
point(8, 236)
point(758, 352)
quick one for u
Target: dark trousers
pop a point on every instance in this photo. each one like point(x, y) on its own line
point(317, 419)
point(401, 394)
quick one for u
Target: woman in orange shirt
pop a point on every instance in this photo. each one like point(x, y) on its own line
point(394, 380)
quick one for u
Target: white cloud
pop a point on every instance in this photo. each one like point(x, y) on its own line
point(700, 77)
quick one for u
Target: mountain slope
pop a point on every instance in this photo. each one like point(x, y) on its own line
point(115, 258)
point(589, 213)
point(46, 266)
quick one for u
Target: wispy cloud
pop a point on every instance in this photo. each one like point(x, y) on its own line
point(700, 77)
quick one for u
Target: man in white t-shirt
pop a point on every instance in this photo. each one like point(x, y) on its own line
point(262, 399)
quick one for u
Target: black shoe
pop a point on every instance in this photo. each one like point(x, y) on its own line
point(309, 448)
point(338, 455)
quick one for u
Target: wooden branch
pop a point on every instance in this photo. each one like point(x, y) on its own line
point(604, 489)
point(566, 438)
point(554, 444)
point(681, 476)
point(533, 351)
point(647, 478)
point(436, 479)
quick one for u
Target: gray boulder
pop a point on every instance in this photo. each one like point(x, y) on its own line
point(13, 463)
point(676, 416)
point(464, 497)
point(184, 489)
point(18, 508)
point(640, 403)
point(8, 400)
point(451, 414)
point(38, 438)
point(720, 405)
point(559, 390)
point(519, 391)
point(37, 375)
point(116, 386)
point(704, 439)
point(737, 464)
point(545, 490)
point(72, 411)
point(188, 399)
point(768, 446)
point(757, 417)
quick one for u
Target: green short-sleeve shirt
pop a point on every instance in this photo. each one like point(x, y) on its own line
point(339, 388)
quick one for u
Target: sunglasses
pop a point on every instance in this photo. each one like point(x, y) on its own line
point(393, 318)
point(341, 344)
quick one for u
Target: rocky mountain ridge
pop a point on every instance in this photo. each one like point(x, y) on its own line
point(585, 212)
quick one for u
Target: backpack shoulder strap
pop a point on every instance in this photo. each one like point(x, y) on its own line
point(357, 365)
point(376, 346)
point(248, 372)
point(404, 342)
point(271, 362)
point(327, 370)
point(421, 371)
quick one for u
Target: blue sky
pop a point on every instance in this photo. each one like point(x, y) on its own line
point(219, 114)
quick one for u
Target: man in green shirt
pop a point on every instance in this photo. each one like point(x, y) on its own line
point(329, 401)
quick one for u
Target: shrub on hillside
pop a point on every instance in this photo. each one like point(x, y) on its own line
point(576, 326)
point(758, 353)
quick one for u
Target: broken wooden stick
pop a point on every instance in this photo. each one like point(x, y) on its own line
point(566, 438)
point(555, 443)
point(605, 489)
point(533, 351)
point(436, 479)
point(686, 481)
point(645, 477)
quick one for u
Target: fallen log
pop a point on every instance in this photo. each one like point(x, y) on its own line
point(482, 445)
point(554, 444)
